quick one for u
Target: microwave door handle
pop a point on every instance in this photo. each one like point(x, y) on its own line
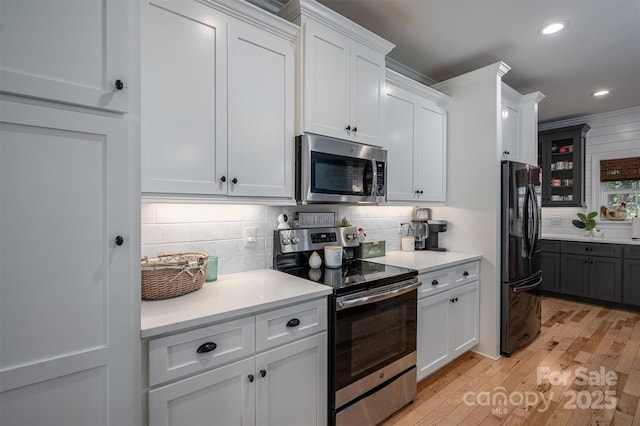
point(374, 177)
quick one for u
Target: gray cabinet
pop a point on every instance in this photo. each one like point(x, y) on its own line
point(561, 156)
point(592, 270)
point(631, 276)
point(550, 261)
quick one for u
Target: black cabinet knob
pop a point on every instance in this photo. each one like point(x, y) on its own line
point(223, 179)
point(119, 85)
point(465, 273)
point(206, 347)
point(293, 322)
point(251, 378)
point(119, 240)
point(263, 373)
point(355, 129)
point(348, 128)
point(506, 152)
point(234, 180)
point(434, 282)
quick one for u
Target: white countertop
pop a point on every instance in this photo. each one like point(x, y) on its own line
point(232, 295)
point(590, 239)
point(425, 260)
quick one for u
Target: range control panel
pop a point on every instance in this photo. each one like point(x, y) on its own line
point(305, 239)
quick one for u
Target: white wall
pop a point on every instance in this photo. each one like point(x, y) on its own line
point(612, 135)
point(473, 178)
point(218, 229)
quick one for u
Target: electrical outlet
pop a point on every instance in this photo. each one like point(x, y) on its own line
point(556, 221)
point(250, 239)
point(400, 227)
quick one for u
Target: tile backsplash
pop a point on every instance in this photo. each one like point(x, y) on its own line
point(218, 229)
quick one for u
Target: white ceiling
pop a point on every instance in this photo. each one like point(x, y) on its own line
point(444, 38)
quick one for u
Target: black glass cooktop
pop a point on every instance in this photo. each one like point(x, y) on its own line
point(355, 275)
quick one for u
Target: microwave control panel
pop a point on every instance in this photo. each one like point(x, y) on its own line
point(380, 184)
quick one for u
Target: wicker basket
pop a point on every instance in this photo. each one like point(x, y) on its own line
point(172, 275)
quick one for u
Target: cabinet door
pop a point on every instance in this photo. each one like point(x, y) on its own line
point(550, 271)
point(401, 109)
point(367, 93)
point(292, 384)
point(260, 142)
point(573, 274)
point(66, 331)
point(70, 51)
point(431, 153)
point(465, 308)
point(631, 283)
point(224, 396)
point(183, 99)
point(510, 131)
point(326, 81)
point(433, 333)
point(605, 279)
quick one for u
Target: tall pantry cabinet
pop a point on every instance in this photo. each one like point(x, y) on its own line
point(69, 223)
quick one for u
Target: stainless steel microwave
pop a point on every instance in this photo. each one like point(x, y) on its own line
point(330, 170)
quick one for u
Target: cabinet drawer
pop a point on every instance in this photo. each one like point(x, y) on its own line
point(549, 246)
point(592, 249)
point(177, 355)
point(466, 273)
point(632, 252)
point(284, 325)
point(434, 282)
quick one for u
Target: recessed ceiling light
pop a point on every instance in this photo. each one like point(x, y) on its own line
point(600, 93)
point(553, 27)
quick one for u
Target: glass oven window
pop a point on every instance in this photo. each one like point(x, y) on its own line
point(335, 174)
point(372, 336)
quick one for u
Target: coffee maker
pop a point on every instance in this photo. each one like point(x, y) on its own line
point(420, 232)
point(435, 227)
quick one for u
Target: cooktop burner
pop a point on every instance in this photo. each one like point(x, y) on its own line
point(354, 275)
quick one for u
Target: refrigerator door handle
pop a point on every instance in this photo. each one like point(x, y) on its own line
point(527, 287)
point(532, 225)
point(536, 217)
point(525, 224)
point(527, 280)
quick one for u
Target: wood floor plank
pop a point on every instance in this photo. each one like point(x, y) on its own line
point(575, 339)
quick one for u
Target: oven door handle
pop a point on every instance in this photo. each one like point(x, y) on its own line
point(376, 297)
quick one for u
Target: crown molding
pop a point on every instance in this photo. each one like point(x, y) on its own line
point(581, 120)
point(417, 88)
point(409, 72)
point(497, 69)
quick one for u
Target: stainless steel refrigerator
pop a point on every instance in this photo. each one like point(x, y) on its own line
point(521, 274)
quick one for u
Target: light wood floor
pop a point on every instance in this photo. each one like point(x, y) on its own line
point(475, 390)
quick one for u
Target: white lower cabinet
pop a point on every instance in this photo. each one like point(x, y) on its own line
point(448, 316)
point(284, 385)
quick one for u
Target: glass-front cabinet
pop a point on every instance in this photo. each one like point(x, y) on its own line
point(561, 157)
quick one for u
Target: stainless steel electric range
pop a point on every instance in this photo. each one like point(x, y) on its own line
point(372, 323)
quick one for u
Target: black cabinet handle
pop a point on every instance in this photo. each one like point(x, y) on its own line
point(223, 179)
point(348, 128)
point(119, 240)
point(465, 273)
point(119, 85)
point(293, 322)
point(456, 299)
point(263, 373)
point(251, 378)
point(206, 347)
point(355, 129)
point(506, 152)
point(234, 180)
point(434, 282)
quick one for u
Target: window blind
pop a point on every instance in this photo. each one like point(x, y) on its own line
point(620, 169)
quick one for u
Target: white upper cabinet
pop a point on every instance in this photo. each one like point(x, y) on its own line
point(416, 137)
point(519, 115)
point(341, 74)
point(218, 86)
point(66, 51)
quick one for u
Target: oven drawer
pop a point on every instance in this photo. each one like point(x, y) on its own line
point(466, 273)
point(434, 283)
point(177, 355)
point(287, 324)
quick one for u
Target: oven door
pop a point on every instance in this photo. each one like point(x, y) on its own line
point(375, 338)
